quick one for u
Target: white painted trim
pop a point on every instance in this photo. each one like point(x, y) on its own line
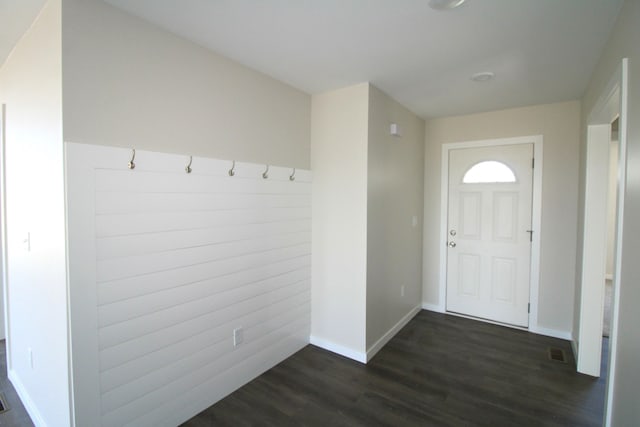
point(594, 253)
point(536, 223)
point(72, 400)
point(554, 333)
point(4, 280)
point(358, 356)
point(444, 209)
point(377, 346)
point(608, 276)
point(28, 404)
point(432, 307)
point(563, 335)
point(621, 79)
point(612, 103)
point(480, 319)
point(81, 278)
point(574, 349)
point(536, 215)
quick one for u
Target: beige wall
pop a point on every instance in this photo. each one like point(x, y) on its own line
point(394, 197)
point(624, 43)
point(339, 211)
point(367, 187)
point(559, 126)
point(30, 85)
point(128, 83)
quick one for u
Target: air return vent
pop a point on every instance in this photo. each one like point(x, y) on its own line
point(557, 355)
point(3, 404)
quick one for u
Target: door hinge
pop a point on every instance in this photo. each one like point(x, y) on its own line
point(530, 235)
point(529, 308)
point(533, 163)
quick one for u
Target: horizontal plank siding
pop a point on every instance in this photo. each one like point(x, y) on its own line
point(131, 367)
point(144, 339)
point(122, 246)
point(143, 385)
point(188, 297)
point(181, 260)
point(153, 282)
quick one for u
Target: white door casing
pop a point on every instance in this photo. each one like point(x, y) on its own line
point(587, 344)
point(4, 330)
point(489, 246)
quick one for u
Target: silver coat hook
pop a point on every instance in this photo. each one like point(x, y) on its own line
point(292, 177)
point(265, 174)
point(188, 168)
point(232, 172)
point(132, 165)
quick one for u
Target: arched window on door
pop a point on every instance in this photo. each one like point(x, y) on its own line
point(489, 171)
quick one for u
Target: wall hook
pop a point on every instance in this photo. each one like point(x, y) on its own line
point(265, 174)
point(232, 172)
point(292, 177)
point(188, 168)
point(132, 165)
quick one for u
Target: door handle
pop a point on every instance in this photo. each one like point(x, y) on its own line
point(452, 244)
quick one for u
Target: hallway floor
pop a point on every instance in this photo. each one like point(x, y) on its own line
point(440, 370)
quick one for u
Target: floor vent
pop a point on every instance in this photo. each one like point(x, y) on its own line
point(3, 404)
point(557, 355)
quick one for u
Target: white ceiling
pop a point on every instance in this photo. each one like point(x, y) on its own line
point(540, 50)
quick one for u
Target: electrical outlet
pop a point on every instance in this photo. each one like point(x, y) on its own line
point(402, 291)
point(238, 336)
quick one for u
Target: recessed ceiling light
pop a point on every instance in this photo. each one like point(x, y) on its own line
point(483, 76)
point(445, 4)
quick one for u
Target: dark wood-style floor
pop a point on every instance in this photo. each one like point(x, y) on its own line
point(15, 414)
point(439, 370)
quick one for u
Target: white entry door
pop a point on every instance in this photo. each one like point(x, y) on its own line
point(489, 232)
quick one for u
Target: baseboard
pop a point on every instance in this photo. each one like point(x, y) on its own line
point(563, 335)
point(392, 332)
point(432, 307)
point(28, 404)
point(358, 356)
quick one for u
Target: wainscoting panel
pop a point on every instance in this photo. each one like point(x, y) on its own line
point(165, 265)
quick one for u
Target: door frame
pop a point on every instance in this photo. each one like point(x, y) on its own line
point(4, 283)
point(611, 104)
point(536, 216)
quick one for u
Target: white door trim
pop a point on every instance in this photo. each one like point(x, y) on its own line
point(611, 104)
point(3, 232)
point(536, 216)
point(594, 249)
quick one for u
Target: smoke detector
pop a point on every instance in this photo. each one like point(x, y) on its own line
point(484, 76)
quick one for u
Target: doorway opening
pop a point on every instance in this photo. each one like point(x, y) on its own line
point(3, 229)
point(610, 112)
point(612, 200)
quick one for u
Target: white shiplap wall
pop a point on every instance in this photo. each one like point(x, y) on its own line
point(164, 265)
